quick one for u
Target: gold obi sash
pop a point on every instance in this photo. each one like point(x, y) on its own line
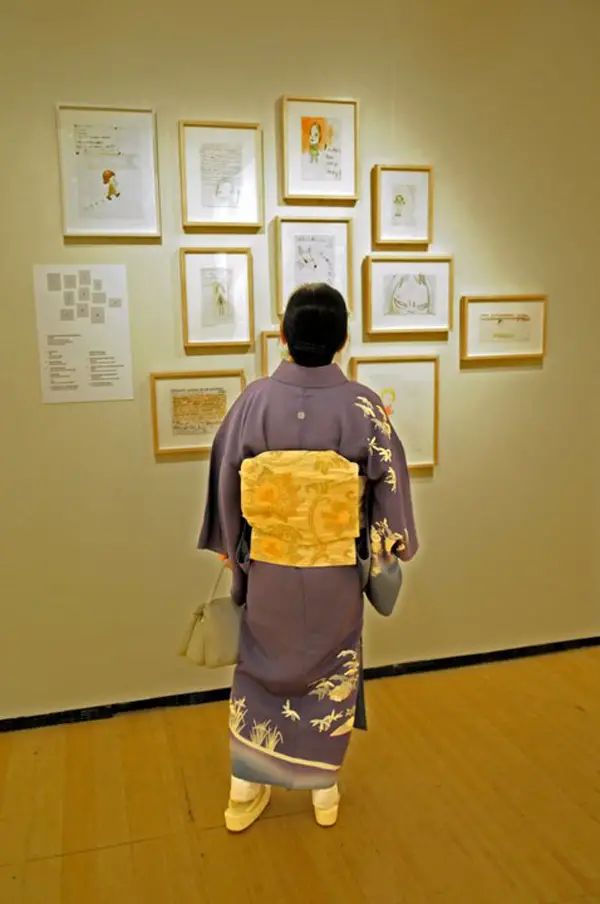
point(303, 508)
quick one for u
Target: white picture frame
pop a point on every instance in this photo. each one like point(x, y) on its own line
point(188, 408)
point(407, 297)
point(217, 299)
point(402, 206)
point(108, 163)
point(509, 329)
point(313, 249)
point(221, 170)
point(319, 150)
point(409, 390)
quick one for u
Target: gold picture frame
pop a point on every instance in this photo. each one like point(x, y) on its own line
point(431, 323)
point(285, 287)
point(422, 208)
point(423, 467)
point(108, 187)
point(522, 338)
point(216, 342)
point(202, 222)
point(186, 429)
point(316, 108)
point(266, 337)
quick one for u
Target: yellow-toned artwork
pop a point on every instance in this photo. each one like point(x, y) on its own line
point(197, 411)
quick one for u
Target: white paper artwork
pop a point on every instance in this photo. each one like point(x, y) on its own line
point(314, 259)
point(109, 172)
point(221, 174)
point(505, 327)
point(85, 348)
point(404, 206)
point(320, 152)
point(409, 295)
point(218, 306)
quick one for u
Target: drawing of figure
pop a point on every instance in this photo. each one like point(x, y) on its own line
point(314, 142)
point(321, 149)
point(404, 205)
point(221, 300)
point(109, 179)
point(409, 294)
point(399, 203)
point(217, 294)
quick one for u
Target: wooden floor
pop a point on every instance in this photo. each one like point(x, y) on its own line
point(479, 786)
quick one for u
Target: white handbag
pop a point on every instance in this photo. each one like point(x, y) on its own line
point(213, 637)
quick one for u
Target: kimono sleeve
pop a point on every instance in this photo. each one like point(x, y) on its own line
point(390, 510)
point(222, 525)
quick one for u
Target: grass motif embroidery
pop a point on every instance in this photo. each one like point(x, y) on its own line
point(237, 714)
point(265, 735)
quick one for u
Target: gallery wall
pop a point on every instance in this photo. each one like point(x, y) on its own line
point(98, 570)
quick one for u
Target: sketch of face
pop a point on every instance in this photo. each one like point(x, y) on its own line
point(224, 190)
point(314, 137)
point(410, 295)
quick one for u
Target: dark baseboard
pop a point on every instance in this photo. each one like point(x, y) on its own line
point(195, 698)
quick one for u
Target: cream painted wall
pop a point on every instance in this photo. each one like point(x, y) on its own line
point(98, 571)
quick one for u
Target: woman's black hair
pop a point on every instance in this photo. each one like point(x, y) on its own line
point(315, 324)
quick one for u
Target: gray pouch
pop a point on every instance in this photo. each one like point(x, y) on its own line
point(383, 588)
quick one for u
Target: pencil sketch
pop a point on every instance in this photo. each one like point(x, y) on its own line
point(314, 259)
point(321, 149)
point(197, 411)
point(404, 201)
point(217, 296)
point(221, 174)
point(505, 328)
point(108, 172)
point(408, 294)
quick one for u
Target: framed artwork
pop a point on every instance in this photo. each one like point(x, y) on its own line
point(407, 297)
point(217, 299)
point(188, 408)
point(402, 205)
point(499, 328)
point(313, 250)
point(108, 172)
point(221, 165)
point(319, 150)
point(409, 390)
point(273, 352)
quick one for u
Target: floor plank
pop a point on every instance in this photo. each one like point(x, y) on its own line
point(480, 785)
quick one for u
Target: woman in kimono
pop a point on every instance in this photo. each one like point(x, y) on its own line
point(306, 471)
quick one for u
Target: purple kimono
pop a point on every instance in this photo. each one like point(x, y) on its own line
point(298, 684)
